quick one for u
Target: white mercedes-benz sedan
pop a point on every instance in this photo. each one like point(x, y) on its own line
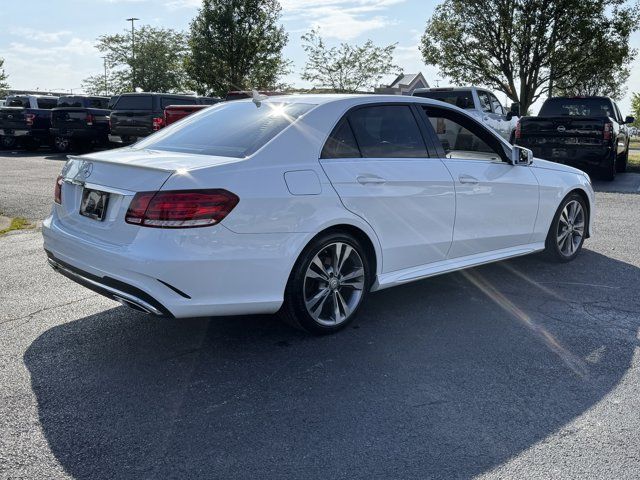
point(303, 205)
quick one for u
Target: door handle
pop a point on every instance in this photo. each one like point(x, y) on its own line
point(468, 179)
point(370, 179)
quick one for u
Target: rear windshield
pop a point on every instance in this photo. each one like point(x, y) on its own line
point(47, 103)
point(228, 129)
point(581, 107)
point(18, 102)
point(70, 102)
point(462, 99)
point(135, 102)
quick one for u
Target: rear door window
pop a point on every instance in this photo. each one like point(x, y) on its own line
point(98, 102)
point(341, 143)
point(388, 131)
point(64, 102)
point(18, 102)
point(134, 102)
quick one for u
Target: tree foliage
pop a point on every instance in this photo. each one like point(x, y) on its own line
point(3, 78)
point(346, 68)
point(237, 45)
point(635, 109)
point(525, 47)
point(159, 62)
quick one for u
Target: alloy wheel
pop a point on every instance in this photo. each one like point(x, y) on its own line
point(571, 226)
point(334, 284)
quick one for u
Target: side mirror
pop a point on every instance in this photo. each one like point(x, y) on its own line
point(521, 156)
point(509, 116)
point(629, 120)
point(515, 110)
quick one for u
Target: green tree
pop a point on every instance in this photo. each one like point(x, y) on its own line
point(4, 86)
point(635, 109)
point(159, 61)
point(237, 45)
point(346, 68)
point(525, 47)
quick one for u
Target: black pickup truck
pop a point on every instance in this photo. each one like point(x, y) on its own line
point(586, 132)
point(25, 120)
point(79, 122)
point(138, 115)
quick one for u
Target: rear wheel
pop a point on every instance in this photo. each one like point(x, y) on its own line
point(8, 142)
point(327, 285)
point(62, 144)
point(568, 229)
point(621, 165)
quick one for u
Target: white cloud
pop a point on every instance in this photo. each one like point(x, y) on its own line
point(39, 36)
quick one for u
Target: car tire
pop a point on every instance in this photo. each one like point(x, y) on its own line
point(8, 143)
point(327, 285)
point(568, 229)
point(609, 171)
point(62, 144)
point(621, 164)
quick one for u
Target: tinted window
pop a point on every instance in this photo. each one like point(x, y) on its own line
point(70, 102)
point(485, 102)
point(235, 129)
point(47, 103)
point(387, 132)
point(18, 102)
point(166, 101)
point(135, 102)
point(98, 102)
point(582, 107)
point(112, 102)
point(461, 99)
point(497, 106)
point(209, 100)
point(463, 138)
point(341, 143)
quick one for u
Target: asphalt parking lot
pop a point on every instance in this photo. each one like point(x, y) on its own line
point(523, 369)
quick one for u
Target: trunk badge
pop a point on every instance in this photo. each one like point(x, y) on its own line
point(562, 129)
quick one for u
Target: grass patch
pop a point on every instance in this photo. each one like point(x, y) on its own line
point(634, 162)
point(634, 143)
point(17, 223)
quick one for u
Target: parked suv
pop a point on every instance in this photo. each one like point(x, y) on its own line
point(480, 103)
point(586, 132)
point(79, 122)
point(137, 115)
point(26, 120)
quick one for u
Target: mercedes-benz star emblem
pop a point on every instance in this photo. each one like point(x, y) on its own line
point(562, 129)
point(86, 169)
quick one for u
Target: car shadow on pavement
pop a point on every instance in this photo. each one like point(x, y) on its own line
point(449, 377)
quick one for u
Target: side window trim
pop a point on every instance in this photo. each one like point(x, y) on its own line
point(440, 151)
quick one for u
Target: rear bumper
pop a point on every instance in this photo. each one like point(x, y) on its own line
point(181, 273)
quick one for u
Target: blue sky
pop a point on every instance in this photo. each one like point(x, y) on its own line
point(48, 44)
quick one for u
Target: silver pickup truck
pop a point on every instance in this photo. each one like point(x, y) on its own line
point(481, 103)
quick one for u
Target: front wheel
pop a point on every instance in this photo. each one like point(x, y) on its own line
point(568, 229)
point(327, 285)
point(62, 144)
point(8, 142)
point(609, 171)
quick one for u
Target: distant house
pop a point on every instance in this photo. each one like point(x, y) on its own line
point(405, 84)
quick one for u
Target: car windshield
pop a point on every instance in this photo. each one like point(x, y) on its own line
point(581, 107)
point(235, 129)
point(462, 99)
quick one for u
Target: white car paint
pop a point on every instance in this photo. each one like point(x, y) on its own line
point(423, 217)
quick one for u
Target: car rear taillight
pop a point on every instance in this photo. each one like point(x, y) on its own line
point(180, 209)
point(57, 193)
point(158, 123)
point(29, 117)
point(608, 129)
point(90, 119)
point(518, 132)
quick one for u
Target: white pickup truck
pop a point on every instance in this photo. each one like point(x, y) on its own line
point(481, 103)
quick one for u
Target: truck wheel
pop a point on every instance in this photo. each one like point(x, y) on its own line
point(7, 142)
point(609, 171)
point(621, 165)
point(62, 144)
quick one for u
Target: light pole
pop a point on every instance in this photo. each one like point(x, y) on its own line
point(133, 52)
point(106, 87)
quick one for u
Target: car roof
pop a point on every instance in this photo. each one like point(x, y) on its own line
point(351, 99)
